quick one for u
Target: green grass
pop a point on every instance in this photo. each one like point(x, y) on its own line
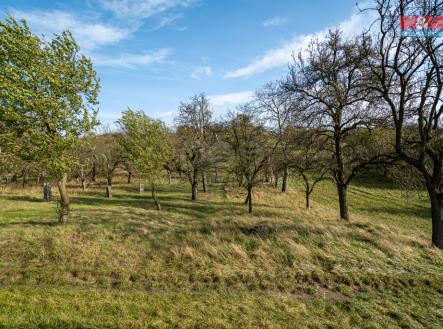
point(118, 263)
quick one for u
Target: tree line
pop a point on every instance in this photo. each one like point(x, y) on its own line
point(345, 105)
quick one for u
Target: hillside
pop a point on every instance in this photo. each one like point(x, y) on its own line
point(119, 263)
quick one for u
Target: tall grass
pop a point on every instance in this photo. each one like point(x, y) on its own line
point(120, 263)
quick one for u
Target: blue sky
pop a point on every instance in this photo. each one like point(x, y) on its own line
point(152, 54)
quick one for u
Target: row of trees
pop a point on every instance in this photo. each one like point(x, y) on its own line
point(345, 105)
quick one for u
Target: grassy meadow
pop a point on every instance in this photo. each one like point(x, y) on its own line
point(118, 263)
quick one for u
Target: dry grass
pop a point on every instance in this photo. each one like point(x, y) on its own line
point(119, 263)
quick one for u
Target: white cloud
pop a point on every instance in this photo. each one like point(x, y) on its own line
point(139, 9)
point(224, 103)
point(275, 21)
point(201, 71)
point(168, 20)
point(88, 35)
point(281, 56)
point(166, 115)
point(134, 60)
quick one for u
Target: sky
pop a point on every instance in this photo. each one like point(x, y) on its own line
point(152, 54)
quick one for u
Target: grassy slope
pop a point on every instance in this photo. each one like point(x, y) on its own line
point(118, 263)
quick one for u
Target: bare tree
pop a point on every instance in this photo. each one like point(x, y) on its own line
point(406, 73)
point(194, 139)
point(108, 157)
point(275, 109)
point(251, 146)
point(83, 153)
point(311, 159)
point(334, 101)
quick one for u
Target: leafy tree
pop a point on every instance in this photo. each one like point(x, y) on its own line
point(146, 144)
point(48, 89)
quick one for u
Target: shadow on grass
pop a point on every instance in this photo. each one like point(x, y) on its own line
point(421, 212)
point(27, 198)
point(200, 209)
point(30, 223)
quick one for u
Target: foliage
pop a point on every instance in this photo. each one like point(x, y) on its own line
point(48, 90)
point(145, 142)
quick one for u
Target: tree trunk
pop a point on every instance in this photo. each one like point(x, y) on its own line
point(307, 199)
point(169, 177)
point(141, 188)
point(154, 197)
point(64, 199)
point(340, 180)
point(25, 178)
point(437, 216)
point(276, 179)
point(204, 182)
point(129, 177)
point(284, 185)
point(83, 184)
point(14, 179)
point(94, 173)
point(343, 200)
point(240, 181)
point(194, 185)
point(109, 187)
point(250, 198)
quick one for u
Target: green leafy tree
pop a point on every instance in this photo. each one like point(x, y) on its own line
point(49, 90)
point(145, 142)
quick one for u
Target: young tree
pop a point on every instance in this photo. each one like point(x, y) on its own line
point(83, 161)
point(334, 100)
point(406, 74)
point(48, 90)
point(145, 142)
point(194, 138)
point(251, 146)
point(275, 108)
point(310, 158)
point(107, 157)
